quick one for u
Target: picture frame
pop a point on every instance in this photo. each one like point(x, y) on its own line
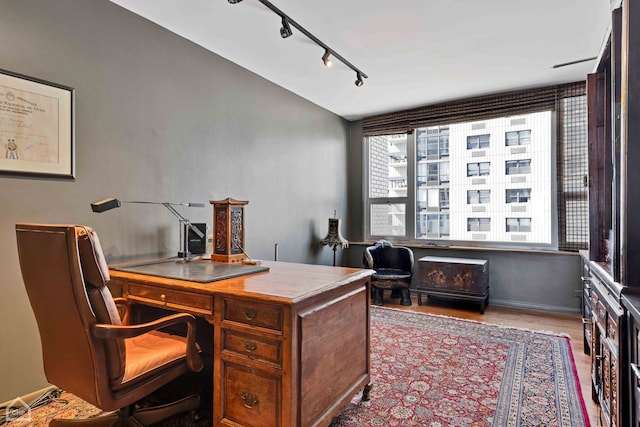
point(37, 127)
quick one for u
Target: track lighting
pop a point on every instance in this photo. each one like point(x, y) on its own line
point(326, 59)
point(285, 31)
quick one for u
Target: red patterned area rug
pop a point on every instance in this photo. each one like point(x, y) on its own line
point(434, 371)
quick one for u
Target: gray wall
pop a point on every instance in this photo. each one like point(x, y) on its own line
point(160, 119)
point(534, 280)
point(528, 280)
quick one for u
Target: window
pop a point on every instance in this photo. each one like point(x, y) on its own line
point(518, 225)
point(515, 167)
point(432, 143)
point(518, 195)
point(477, 141)
point(444, 198)
point(432, 198)
point(433, 173)
point(518, 137)
point(434, 226)
point(478, 169)
point(478, 197)
point(478, 224)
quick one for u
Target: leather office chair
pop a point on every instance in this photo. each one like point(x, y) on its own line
point(86, 348)
point(393, 267)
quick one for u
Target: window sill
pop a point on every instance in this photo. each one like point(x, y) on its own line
point(472, 248)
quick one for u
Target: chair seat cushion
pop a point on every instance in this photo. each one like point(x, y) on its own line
point(390, 278)
point(391, 274)
point(150, 351)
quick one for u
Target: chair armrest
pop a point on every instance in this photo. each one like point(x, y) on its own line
point(106, 331)
point(123, 309)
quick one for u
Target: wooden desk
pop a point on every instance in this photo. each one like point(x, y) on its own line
point(291, 345)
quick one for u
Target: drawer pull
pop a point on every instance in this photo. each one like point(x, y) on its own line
point(163, 297)
point(250, 313)
point(249, 399)
point(250, 346)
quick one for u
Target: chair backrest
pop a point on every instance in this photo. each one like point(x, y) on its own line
point(389, 256)
point(65, 275)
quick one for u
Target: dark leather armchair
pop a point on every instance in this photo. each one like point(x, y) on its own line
point(86, 348)
point(393, 267)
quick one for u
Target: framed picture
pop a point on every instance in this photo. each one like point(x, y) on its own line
point(36, 127)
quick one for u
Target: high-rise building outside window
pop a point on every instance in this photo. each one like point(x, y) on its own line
point(428, 172)
point(436, 184)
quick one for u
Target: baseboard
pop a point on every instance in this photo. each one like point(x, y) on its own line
point(536, 307)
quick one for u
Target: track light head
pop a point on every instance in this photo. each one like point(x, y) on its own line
point(234, 1)
point(326, 59)
point(285, 31)
point(359, 82)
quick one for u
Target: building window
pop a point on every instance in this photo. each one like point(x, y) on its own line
point(444, 198)
point(518, 137)
point(435, 226)
point(522, 225)
point(515, 167)
point(478, 197)
point(478, 169)
point(477, 141)
point(432, 143)
point(433, 199)
point(478, 224)
point(434, 173)
point(518, 195)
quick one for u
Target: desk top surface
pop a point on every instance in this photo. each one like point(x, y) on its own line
point(204, 272)
point(283, 281)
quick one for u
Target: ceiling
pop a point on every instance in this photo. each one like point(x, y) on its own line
point(415, 52)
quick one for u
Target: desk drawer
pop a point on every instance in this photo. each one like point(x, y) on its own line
point(253, 314)
point(169, 298)
point(252, 347)
point(250, 398)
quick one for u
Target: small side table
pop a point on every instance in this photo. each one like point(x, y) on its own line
point(454, 278)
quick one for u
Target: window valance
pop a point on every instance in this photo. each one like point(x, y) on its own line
point(471, 109)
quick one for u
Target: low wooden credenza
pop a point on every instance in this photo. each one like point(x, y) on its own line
point(454, 278)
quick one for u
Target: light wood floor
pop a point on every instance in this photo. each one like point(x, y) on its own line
point(570, 325)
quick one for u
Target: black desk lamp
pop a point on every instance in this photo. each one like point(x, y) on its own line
point(184, 254)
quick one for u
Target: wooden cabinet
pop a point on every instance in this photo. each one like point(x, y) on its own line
point(608, 350)
point(454, 278)
point(611, 268)
point(586, 303)
point(632, 304)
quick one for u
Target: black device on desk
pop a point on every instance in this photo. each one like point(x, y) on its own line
point(197, 244)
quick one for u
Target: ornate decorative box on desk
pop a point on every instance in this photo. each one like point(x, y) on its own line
point(454, 278)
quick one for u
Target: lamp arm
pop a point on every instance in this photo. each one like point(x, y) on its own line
point(182, 219)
